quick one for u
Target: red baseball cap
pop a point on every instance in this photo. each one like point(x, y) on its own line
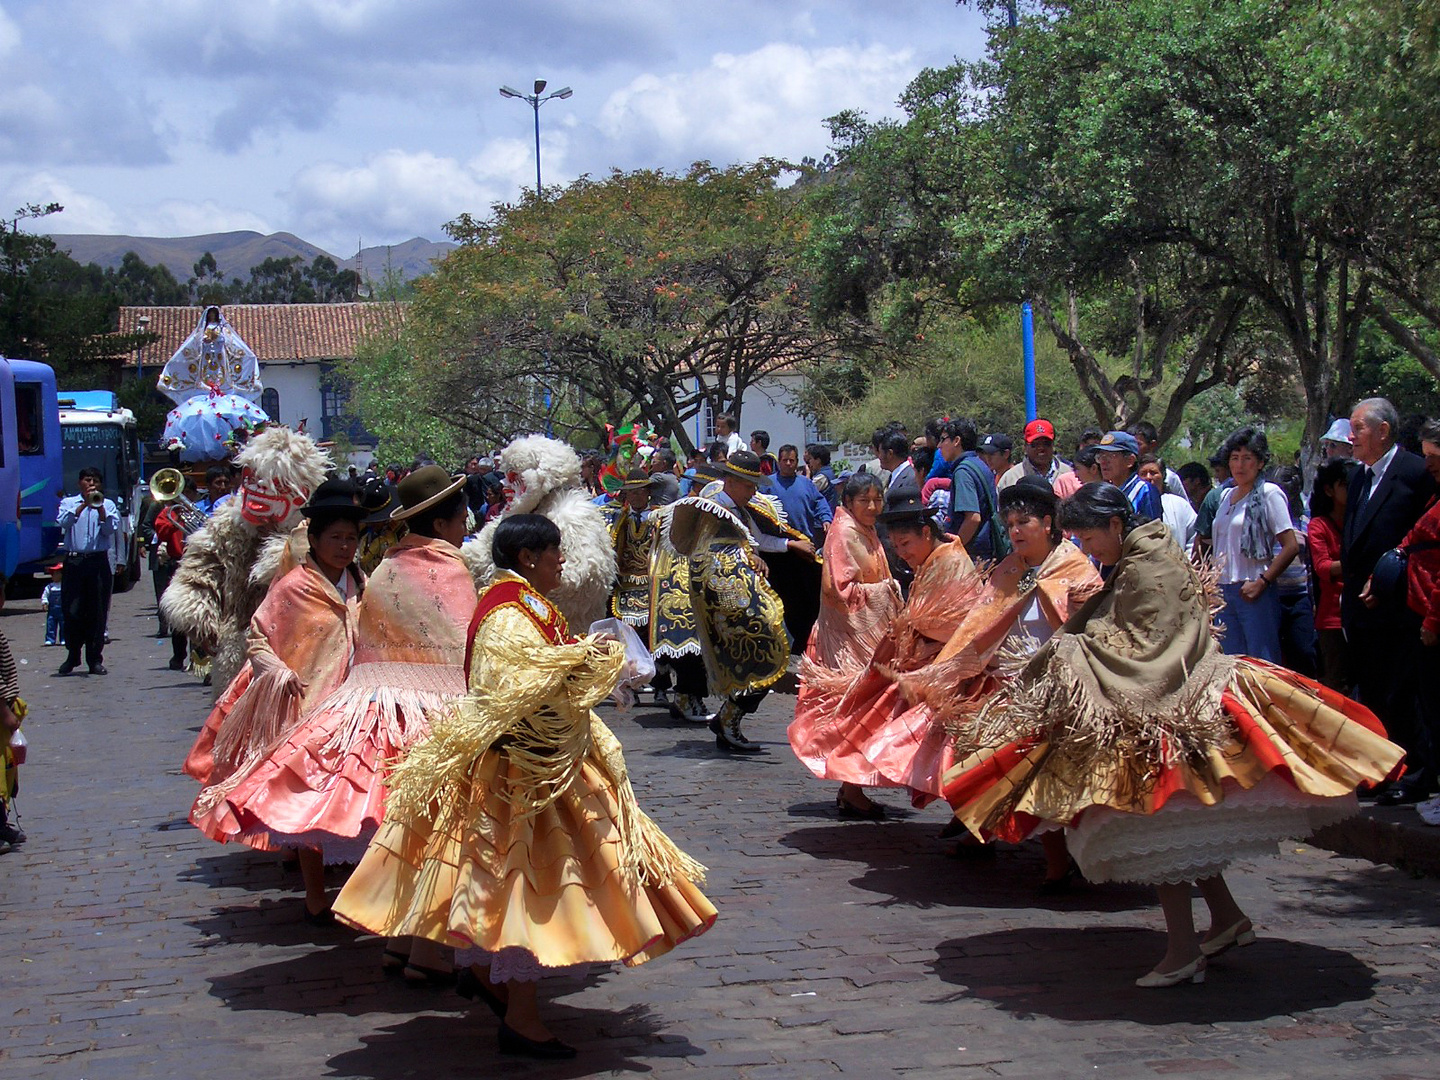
point(1039, 429)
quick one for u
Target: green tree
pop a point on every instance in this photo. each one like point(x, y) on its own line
point(1185, 191)
point(644, 294)
point(56, 311)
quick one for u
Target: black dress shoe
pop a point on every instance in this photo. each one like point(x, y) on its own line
point(317, 918)
point(67, 667)
point(177, 663)
point(98, 669)
point(1402, 795)
point(851, 812)
point(468, 985)
point(512, 1042)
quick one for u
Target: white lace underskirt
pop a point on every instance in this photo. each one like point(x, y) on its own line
point(1186, 840)
point(338, 850)
point(513, 964)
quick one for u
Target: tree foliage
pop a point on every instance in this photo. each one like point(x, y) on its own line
point(644, 295)
point(1184, 190)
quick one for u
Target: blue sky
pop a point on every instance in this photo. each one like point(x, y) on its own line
point(373, 121)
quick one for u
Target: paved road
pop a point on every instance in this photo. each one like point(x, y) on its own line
point(131, 947)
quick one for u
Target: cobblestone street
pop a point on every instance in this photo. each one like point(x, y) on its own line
point(132, 947)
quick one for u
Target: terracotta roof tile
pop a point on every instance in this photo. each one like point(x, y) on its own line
point(279, 333)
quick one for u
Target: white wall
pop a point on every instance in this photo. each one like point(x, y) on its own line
point(299, 388)
point(764, 407)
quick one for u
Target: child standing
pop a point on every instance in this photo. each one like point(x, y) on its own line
point(54, 606)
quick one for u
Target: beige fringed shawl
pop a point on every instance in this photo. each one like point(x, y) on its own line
point(1131, 684)
point(530, 698)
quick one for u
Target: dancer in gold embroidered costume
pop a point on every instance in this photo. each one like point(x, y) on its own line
point(739, 617)
point(512, 830)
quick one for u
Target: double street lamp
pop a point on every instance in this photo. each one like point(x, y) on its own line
point(536, 100)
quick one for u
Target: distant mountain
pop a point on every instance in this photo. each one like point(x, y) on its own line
point(236, 252)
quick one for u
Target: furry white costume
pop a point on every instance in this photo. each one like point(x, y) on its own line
point(542, 476)
point(229, 564)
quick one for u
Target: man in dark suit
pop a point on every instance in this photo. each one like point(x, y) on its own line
point(1388, 491)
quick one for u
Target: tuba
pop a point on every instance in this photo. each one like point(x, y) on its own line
point(168, 486)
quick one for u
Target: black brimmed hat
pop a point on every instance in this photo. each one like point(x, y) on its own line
point(336, 498)
point(637, 479)
point(423, 488)
point(904, 504)
point(742, 465)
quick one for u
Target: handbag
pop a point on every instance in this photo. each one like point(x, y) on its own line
point(1389, 581)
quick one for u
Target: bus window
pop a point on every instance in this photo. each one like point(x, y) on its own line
point(29, 429)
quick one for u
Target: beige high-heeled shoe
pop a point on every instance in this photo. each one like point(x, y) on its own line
point(1193, 972)
point(1242, 933)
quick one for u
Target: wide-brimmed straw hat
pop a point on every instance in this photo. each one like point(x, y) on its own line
point(905, 504)
point(335, 498)
point(742, 465)
point(423, 488)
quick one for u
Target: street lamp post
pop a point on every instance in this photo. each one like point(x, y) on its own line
point(536, 101)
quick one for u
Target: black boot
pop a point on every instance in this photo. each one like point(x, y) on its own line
point(728, 736)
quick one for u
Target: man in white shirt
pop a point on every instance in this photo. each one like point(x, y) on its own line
point(1177, 513)
point(87, 522)
point(1149, 440)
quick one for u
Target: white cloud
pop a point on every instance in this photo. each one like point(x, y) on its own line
point(395, 195)
point(770, 102)
point(180, 217)
point(9, 34)
point(84, 212)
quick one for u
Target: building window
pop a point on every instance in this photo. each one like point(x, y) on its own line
point(707, 425)
point(817, 430)
point(270, 402)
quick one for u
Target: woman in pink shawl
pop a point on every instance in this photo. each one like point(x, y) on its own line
point(858, 600)
point(323, 787)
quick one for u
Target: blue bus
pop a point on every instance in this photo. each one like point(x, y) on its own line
point(37, 437)
point(9, 474)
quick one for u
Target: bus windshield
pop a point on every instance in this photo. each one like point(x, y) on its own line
point(100, 446)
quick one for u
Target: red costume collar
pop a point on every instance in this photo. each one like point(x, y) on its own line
point(517, 593)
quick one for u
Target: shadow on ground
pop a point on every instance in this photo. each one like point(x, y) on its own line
point(1089, 974)
point(344, 979)
point(439, 1046)
point(909, 865)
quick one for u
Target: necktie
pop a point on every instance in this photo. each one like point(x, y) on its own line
point(1364, 496)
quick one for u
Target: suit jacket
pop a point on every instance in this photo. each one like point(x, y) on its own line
point(1392, 508)
point(903, 476)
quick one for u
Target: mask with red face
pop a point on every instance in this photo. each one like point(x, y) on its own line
point(267, 502)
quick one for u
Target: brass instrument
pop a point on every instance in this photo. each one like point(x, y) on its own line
point(168, 486)
point(96, 498)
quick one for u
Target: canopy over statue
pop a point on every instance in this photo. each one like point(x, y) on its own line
point(214, 358)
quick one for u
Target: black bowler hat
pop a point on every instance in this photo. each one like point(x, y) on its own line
point(334, 497)
point(904, 504)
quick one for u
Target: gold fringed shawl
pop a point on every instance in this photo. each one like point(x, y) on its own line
point(1131, 684)
point(531, 699)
